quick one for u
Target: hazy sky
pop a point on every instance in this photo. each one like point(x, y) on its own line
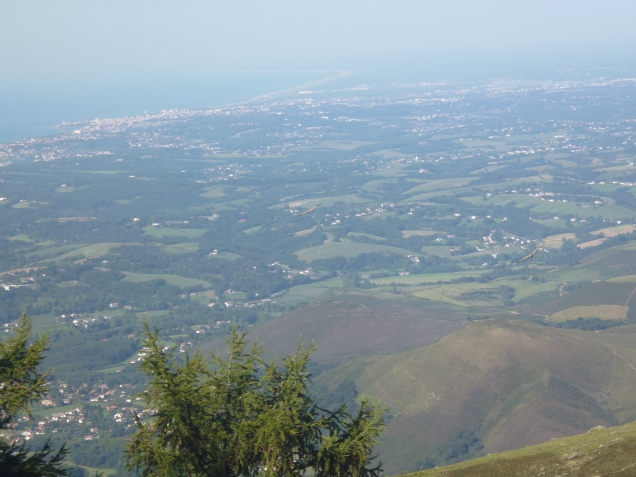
point(50, 39)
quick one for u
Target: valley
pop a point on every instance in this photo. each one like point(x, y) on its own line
point(386, 225)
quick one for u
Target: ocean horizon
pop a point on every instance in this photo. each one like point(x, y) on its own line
point(34, 110)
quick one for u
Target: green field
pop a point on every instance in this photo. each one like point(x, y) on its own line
point(22, 205)
point(51, 251)
point(324, 201)
point(226, 256)
point(42, 321)
point(373, 186)
point(152, 314)
point(214, 192)
point(63, 190)
point(437, 250)
point(425, 278)
point(180, 248)
point(574, 275)
point(302, 233)
point(49, 411)
point(304, 293)
point(545, 206)
point(623, 279)
point(372, 237)
point(451, 293)
point(332, 144)
point(556, 241)
point(106, 472)
point(21, 238)
point(442, 184)
point(605, 312)
point(177, 280)
point(94, 250)
point(431, 195)
point(614, 231)
point(167, 232)
point(345, 248)
point(252, 230)
point(422, 233)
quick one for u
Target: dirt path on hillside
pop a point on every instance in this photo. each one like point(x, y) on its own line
point(624, 359)
point(630, 296)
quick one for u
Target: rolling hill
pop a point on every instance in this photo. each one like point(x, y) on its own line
point(494, 386)
point(345, 326)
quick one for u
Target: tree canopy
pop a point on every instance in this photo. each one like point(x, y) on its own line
point(21, 384)
point(241, 416)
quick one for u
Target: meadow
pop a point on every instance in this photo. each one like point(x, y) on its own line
point(177, 280)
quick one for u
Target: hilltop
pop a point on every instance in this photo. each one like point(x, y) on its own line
point(351, 325)
point(493, 386)
point(598, 452)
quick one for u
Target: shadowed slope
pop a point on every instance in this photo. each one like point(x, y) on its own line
point(351, 326)
point(497, 384)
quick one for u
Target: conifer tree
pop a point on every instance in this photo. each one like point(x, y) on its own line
point(244, 417)
point(21, 384)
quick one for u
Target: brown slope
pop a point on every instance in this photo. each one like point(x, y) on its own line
point(349, 326)
point(509, 383)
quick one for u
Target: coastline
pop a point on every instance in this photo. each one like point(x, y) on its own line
point(53, 128)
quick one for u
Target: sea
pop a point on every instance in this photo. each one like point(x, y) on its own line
point(33, 108)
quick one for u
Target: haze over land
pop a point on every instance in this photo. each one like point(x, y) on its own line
point(447, 209)
point(426, 197)
point(76, 60)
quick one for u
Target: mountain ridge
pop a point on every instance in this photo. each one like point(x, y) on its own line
point(493, 386)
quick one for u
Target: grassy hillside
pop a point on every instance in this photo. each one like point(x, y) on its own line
point(494, 386)
point(598, 452)
point(345, 326)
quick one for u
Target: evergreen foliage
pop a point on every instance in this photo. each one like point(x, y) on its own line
point(21, 384)
point(246, 417)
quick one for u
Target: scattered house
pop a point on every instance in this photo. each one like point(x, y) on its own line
point(114, 305)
